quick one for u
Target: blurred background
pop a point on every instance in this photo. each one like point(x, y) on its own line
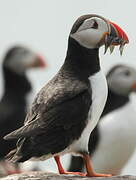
point(44, 26)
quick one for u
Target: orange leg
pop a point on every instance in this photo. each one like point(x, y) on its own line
point(62, 171)
point(17, 169)
point(10, 168)
point(90, 170)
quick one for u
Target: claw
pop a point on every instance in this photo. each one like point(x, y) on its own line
point(112, 48)
point(121, 48)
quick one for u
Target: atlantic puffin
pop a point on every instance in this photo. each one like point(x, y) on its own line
point(17, 60)
point(57, 122)
point(117, 125)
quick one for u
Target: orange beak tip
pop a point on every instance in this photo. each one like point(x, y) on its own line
point(134, 87)
point(120, 33)
point(42, 62)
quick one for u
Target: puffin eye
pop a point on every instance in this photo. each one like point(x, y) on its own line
point(127, 73)
point(95, 25)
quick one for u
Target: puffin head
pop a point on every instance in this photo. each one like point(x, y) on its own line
point(93, 31)
point(121, 79)
point(18, 59)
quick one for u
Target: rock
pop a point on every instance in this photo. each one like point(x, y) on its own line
point(53, 176)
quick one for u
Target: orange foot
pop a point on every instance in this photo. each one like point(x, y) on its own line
point(74, 173)
point(90, 170)
point(13, 172)
point(98, 175)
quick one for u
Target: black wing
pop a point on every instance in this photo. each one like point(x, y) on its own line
point(49, 100)
point(11, 116)
point(65, 124)
point(6, 110)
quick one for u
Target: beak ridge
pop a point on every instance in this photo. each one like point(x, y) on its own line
point(40, 61)
point(134, 87)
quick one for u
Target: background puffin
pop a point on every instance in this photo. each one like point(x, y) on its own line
point(120, 126)
point(13, 104)
point(57, 122)
point(113, 138)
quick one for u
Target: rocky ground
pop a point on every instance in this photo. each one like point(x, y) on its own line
point(53, 176)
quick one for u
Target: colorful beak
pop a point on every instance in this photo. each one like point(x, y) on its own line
point(116, 36)
point(134, 87)
point(40, 62)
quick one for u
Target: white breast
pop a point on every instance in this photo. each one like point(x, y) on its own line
point(99, 95)
point(117, 143)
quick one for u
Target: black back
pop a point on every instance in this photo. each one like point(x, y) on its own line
point(12, 105)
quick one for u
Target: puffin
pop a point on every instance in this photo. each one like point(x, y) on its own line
point(119, 127)
point(13, 105)
point(118, 112)
point(57, 122)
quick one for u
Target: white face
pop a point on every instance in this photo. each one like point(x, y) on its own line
point(122, 79)
point(91, 32)
point(20, 59)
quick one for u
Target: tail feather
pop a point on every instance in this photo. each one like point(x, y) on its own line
point(25, 131)
point(15, 157)
point(15, 134)
point(11, 156)
point(20, 154)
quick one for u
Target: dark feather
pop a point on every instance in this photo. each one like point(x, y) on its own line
point(55, 134)
point(56, 92)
